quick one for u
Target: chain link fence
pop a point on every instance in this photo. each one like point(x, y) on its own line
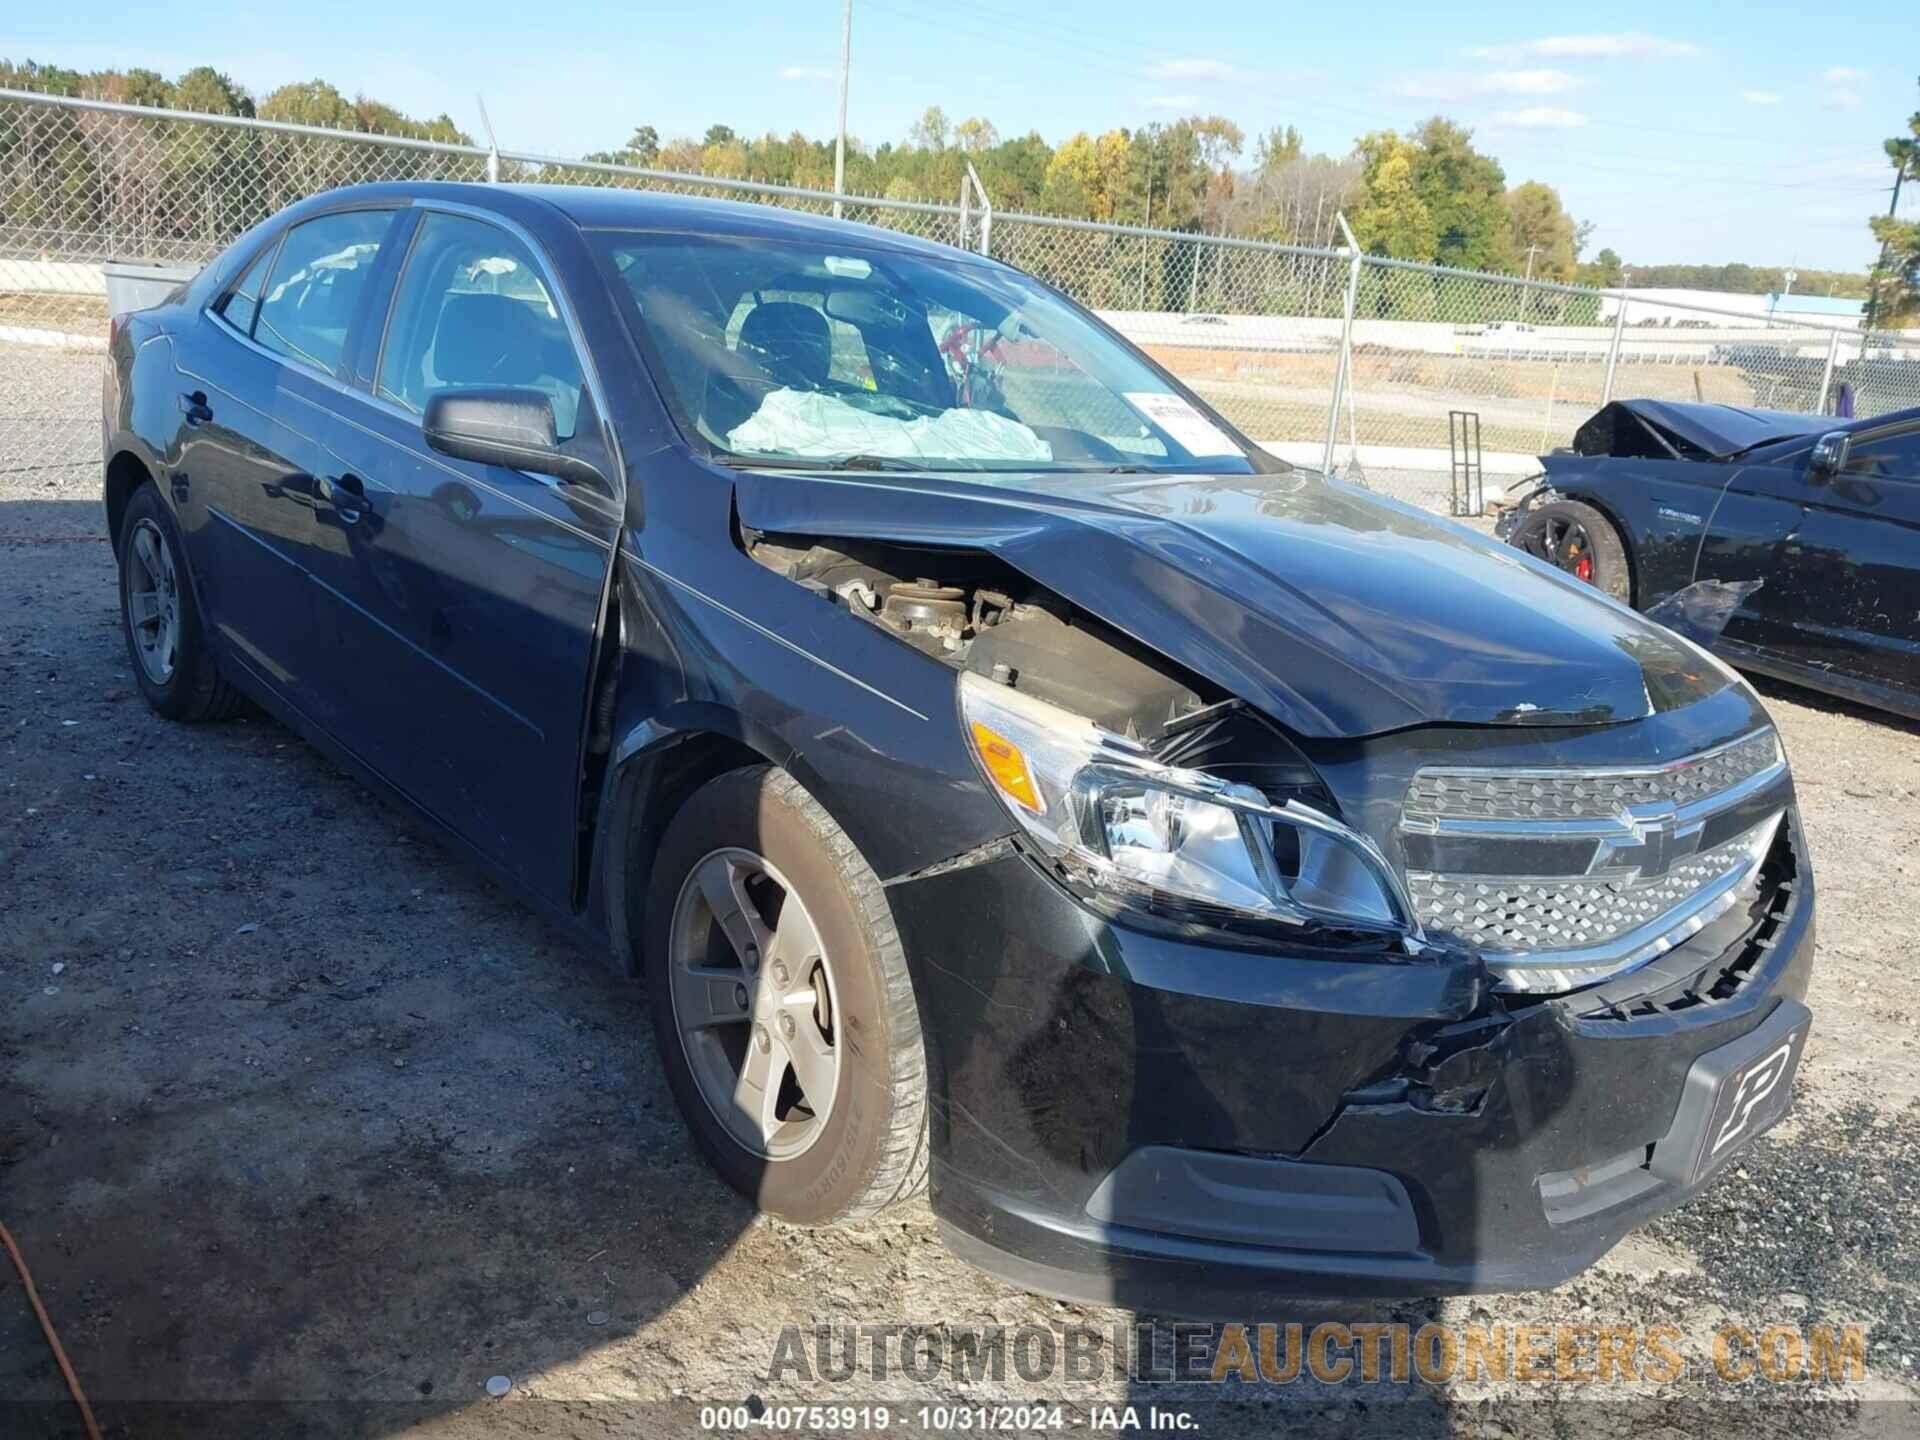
point(1320, 354)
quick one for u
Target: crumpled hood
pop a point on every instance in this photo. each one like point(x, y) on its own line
point(1717, 430)
point(1335, 610)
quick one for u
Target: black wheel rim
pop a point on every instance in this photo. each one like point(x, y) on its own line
point(1565, 545)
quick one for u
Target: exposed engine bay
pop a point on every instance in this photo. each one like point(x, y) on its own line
point(976, 613)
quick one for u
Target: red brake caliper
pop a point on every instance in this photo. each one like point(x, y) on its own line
point(1583, 567)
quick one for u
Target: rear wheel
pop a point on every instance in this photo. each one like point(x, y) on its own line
point(172, 662)
point(1580, 540)
point(781, 1001)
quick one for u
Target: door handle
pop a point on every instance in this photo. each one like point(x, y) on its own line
point(345, 494)
point(194, 406)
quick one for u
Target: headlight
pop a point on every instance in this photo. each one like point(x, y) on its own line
point(1142, 833)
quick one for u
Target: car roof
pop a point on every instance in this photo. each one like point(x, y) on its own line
point(598, 207)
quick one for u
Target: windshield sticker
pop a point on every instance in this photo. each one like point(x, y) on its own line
point(1195, 433)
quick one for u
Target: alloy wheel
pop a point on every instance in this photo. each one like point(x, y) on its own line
point(1564, 544)
point(753, 1001)
point(153, 602)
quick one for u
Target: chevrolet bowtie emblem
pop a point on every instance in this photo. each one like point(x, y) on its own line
point(1655, 842)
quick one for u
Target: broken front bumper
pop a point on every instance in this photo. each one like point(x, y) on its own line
point(1194, 1130)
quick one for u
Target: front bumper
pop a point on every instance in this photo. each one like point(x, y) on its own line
point(1127, 1119)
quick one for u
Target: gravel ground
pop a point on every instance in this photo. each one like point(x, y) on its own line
point(302, 1116)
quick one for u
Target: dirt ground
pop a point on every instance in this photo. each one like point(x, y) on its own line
point(307, 1129)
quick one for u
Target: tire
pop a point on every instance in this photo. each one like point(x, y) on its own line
point(1578, 539)
point(166, 644)
point(757, 839)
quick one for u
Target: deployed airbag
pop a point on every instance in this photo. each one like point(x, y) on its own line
point(811, 425)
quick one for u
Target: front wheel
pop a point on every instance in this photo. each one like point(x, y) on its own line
point(782, 1004)
point(1578, 539)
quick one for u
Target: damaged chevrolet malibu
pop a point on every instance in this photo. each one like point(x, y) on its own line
point(1210, 881)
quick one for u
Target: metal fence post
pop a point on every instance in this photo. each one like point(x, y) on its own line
point(1613, 349)
point(1826, 377)
point(493, 142)
point(1346, 343)
point(986, 209)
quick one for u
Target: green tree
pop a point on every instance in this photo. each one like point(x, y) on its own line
point(205, 89)
point(1895, 292)
point(930, 131)
point(975, 135)
point(1464, 192)
point(1604, 271)
point(1539, 223)
point(1393, 217)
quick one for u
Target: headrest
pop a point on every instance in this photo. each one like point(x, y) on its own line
point(791, 342)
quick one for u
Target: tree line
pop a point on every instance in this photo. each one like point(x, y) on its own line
point(1430, 195)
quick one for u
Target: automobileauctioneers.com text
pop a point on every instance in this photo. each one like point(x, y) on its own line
point(1331, 1353)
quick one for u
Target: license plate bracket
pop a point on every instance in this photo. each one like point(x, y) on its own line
point(1731, 1095)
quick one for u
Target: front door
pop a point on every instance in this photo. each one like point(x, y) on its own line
point(1852, 573)
point(1838, 558)
point(465, 597)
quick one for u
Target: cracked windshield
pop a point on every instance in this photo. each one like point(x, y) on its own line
point(881, 360)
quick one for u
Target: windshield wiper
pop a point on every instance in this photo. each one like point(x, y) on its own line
point(873, 462)
point(808, 462)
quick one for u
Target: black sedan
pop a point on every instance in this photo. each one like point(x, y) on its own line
point(1215, 881)
point(1800, 534)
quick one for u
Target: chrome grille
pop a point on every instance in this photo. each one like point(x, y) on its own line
point(1563, 877)
point(1531, 914)
point(1459, 794)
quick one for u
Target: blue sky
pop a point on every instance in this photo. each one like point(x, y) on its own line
point(1685, 132)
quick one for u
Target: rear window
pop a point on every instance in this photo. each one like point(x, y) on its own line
point(316, 284)
point(244, 302)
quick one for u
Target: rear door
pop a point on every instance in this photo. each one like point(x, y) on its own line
point(465, 597)
point(252, 447)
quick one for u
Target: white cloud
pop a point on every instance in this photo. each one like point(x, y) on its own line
point(1622, 45)
point(1762, 97)
point(1537, 117)
point(1192, 68)
point(1174, 102)
point(1492, 82)
point(807, 72)
point(1840, 87)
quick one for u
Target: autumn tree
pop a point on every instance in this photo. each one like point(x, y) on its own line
point(1539, 224)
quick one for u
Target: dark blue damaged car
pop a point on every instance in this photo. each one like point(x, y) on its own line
point(1211, 882)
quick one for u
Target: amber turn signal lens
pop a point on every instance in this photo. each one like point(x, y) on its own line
point(1002, 760)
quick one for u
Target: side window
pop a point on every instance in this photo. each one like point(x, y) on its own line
point(1887, 457)
point(244, 302)
point(472, 310)
point(317, 280)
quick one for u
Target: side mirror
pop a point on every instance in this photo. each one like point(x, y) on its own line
point(508, 426)
point(1828, 456)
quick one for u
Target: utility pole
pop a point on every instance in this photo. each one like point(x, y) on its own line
point(840, 141)
point(1527, 295)
point(1146, 245)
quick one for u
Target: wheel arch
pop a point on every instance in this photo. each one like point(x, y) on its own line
point(1629, 544)
point(126, 473)
point(655, 769)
